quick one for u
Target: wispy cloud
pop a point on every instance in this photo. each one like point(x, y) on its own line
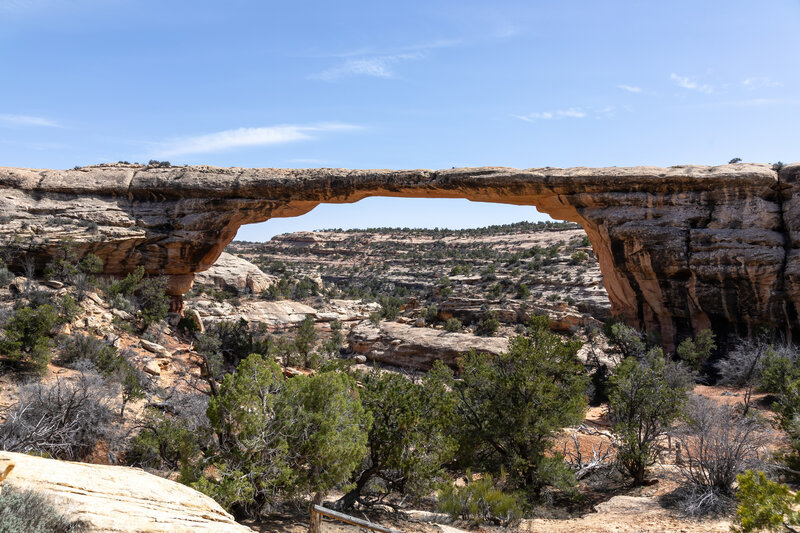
point(572, 112)
point(378, 63)
point(244, 137)
point(630, 88)
point(751, 84)
point(27, 120)
point(376, 67)
point(687, 82)
point(364, 52)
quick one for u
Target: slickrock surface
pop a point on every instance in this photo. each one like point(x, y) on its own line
point(119, 499)
point(409, 347)
point(680, 248)
point(235, 274)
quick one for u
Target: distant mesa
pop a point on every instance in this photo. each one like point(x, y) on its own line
point(681, 248)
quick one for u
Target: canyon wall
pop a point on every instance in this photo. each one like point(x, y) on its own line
point(681, 248)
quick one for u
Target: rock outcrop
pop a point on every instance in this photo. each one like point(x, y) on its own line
point(410, 347)
point(118, 498)
point(680, 248)
point(236, 275)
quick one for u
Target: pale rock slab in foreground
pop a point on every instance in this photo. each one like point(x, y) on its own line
point(118, 498)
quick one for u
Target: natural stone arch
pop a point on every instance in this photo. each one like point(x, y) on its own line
point(680, 248)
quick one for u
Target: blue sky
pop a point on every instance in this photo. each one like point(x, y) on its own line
point(408, 84)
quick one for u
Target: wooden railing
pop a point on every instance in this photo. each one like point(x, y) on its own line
point(351, 520)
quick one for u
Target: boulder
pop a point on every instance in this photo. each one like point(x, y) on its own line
point(282, 312)
point(412, 347)
point(119, 499)
point(155, 348)
point(152, 368)
point(232, 273)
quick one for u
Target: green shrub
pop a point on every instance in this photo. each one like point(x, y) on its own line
point(28, 511)
point(326, 429)
point(626, 340)
point(696, 352)
point(409, 439)
point(488, 326)
point(645, 397)
point(780, 367)
point(121, 302)
point(127, 285)
point(481, 500)
point(251, 455)
point(578, 257)
point(305, 340)
point(173, 437)
point(510, 406)
point(28, 339)
point(68, 309)
point(523, 292)
point(453, 325)
point(390, 306)
point(153, 300)
point(431, 314)
point(303, 435)
point(764, 505)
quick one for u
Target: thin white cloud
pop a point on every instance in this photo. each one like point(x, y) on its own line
point(378, 63)
point(630, 88)
point(572, 112)
point(366, 52)
point(27, 120)
point(751, 84)
point(376, 67)
point(688, 83)
point(244, 137)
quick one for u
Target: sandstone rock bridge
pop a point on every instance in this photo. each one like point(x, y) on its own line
point(680, 248)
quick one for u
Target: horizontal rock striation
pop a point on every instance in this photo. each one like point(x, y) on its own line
point(681, 248)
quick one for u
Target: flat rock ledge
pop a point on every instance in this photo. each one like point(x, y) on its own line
point(119, 498)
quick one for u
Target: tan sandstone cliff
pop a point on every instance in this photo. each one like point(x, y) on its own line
point(681, 248)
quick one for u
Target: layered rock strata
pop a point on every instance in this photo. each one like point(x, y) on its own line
point(680, 248)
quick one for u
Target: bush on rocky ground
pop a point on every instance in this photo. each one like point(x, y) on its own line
point(715, 444)
point(64, 419)
point(28, 511)
point(646, 395)
point(510, 406)
point(409, 439)
point(482, 500)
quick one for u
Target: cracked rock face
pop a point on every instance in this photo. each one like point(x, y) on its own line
point(680, 248)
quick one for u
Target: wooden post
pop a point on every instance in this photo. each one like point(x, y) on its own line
point(316, 518)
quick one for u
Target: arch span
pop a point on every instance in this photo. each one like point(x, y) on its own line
point(680, 248)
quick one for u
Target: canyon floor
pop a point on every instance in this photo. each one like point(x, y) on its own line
point(401, 298)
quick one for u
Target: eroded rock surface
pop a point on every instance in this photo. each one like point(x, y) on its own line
point(236, 275)
point(681, 248)
point(117, 498)
point(411, 347)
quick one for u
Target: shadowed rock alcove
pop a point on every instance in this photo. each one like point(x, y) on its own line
point(681, 248)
